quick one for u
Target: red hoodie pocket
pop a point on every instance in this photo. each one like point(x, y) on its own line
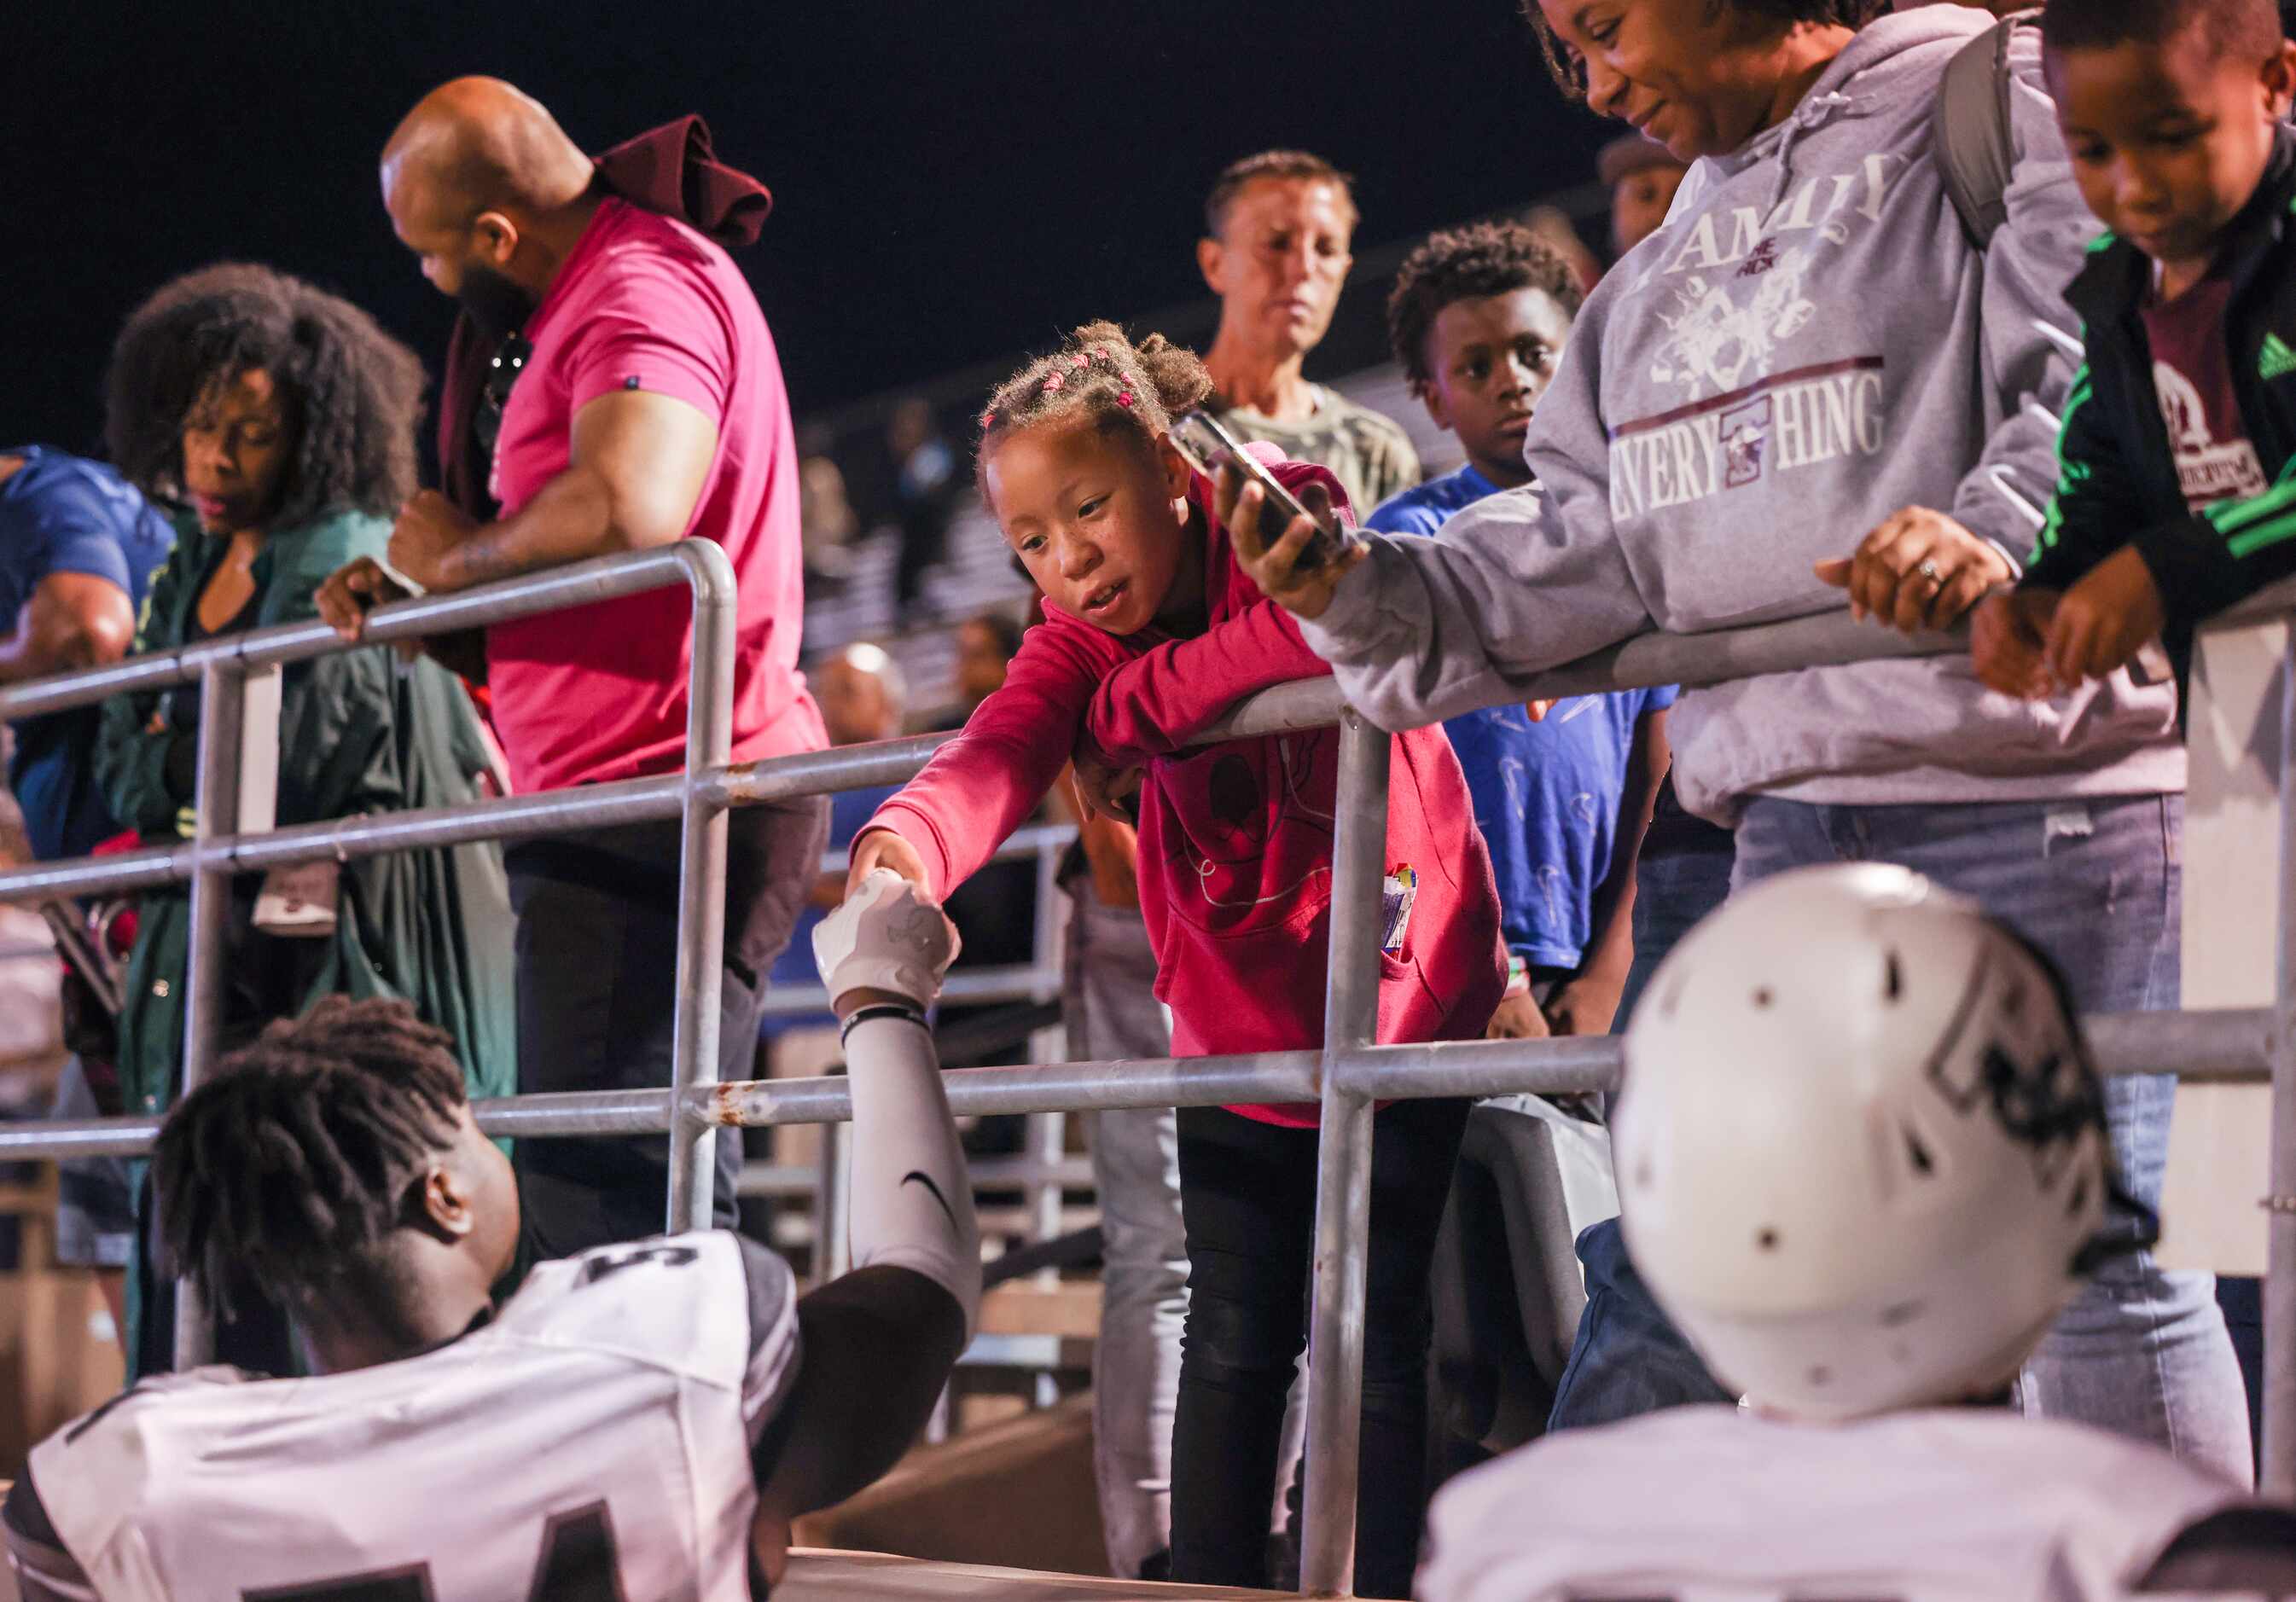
point(1241, 836)
point(1235, 878)
point(1408, 1006)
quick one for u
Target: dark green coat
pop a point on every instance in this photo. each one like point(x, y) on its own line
point(359, 731)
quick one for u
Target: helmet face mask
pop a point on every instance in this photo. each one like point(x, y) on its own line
point(1861, 1148)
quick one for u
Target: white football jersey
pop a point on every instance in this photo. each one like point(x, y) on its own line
point(1712, 1504)
point(594, 1440)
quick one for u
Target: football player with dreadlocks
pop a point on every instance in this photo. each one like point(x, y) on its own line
point(641, 1420)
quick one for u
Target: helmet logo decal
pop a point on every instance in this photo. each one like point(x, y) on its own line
point(2025, 1074)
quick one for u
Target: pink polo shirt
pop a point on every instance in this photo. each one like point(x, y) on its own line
point(598, 693)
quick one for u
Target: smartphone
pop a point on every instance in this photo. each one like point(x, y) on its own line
point(1206, 444)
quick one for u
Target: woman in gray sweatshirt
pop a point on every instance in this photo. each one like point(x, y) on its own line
point(1811, 360)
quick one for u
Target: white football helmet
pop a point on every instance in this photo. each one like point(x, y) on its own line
point(886, 937)
point(1861, 1151)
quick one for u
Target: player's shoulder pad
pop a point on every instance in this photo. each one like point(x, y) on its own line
point(95, 1472)
point(680, 1302)
point(140, 1405)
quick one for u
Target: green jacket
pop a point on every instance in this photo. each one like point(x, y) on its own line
point(359, 733)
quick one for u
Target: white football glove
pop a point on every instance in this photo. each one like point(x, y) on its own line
point(886, 937)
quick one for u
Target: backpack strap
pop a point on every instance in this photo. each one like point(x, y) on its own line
point(1975, 145)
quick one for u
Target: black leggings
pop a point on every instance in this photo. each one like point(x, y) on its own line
point(1248, 1198)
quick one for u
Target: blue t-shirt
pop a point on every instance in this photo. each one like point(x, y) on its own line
point(1424, 508)
point(1546, 794)
point(848, 810)
point(63, 514)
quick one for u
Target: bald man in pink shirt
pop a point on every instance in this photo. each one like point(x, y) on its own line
point(641, 402)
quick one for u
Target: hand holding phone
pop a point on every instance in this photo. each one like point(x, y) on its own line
point(1292, 547)
point(1207, 446)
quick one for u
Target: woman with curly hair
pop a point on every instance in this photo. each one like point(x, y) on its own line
point(281, 419)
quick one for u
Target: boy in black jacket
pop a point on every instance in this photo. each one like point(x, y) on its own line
point(2178, 494)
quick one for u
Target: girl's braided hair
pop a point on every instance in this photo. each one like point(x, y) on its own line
point(1100, 373)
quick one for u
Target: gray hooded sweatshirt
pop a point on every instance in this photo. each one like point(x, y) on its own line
point(1809, 344)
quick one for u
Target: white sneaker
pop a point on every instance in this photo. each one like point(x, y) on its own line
point(886, 937)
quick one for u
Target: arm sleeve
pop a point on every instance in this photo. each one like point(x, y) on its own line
point(1424, 629)
point(1159, 701)
point(141, 774)
point(2088, 515)
point(2033, 256)
point(653, 328)
point(45, 1570)
point(984, 783)
point(912, 1205)
point(2204, 563)
point(71, 527)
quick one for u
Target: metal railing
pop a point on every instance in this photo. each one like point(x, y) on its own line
point(1346, 1076)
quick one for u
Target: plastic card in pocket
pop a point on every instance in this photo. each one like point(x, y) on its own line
point(1401, 890)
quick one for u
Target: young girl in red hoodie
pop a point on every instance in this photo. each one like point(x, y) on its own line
point(1151, 632)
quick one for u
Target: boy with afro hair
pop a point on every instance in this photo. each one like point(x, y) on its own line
point(1478, 318)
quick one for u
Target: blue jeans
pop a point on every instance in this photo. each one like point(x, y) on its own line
point(2096, 885)
point(1627, 1359)
point(1673, 891)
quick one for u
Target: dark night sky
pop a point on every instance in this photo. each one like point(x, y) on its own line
point(952, 181)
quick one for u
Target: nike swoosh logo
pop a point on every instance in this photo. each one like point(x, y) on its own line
point(926, 1180)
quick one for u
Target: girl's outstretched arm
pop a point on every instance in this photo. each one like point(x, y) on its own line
point(983, 784)
point(1159, 702)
